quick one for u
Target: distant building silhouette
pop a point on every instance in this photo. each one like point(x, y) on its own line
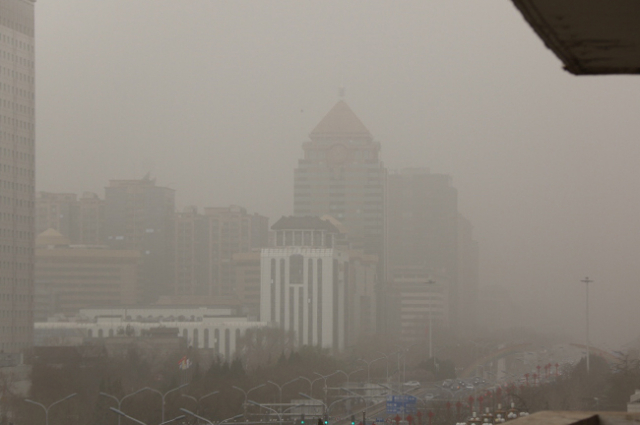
point(429, 240)
point(205, 247)
point(81, 220)
point(140, 216)
point(341, 175)
point(71, 277)
point(17, 174)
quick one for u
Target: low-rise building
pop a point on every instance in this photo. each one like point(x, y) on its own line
point(213, 329)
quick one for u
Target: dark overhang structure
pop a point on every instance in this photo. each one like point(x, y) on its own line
point(591, 37)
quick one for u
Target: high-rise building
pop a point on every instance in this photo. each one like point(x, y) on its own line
point(140, 216)
point(192, 254)
point(205, 247)
point(341, 175)
point(90, 219)
point(17, 173)
point(231, 230)
point(468, 277)
point(422, 214)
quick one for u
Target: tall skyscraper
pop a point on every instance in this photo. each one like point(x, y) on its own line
point(17, 173)
point(423, 240)
point(140, 216)
point(341, 175)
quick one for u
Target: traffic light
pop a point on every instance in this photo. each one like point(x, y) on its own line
point(353, 420)
point(302, 419)
point(326, 419)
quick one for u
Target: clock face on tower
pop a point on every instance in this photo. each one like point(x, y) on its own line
point(337, 154)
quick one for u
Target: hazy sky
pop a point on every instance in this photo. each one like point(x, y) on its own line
point(215, 99)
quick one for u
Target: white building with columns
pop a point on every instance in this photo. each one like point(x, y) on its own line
point(210, 328)
point(304, 282)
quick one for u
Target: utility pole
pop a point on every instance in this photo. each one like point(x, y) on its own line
point(586, 282)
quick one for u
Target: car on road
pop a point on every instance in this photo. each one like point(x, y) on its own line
point(411, 384)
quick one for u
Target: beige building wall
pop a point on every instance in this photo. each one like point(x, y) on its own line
point(247, 281)
point(69, 278)
point(361, 295)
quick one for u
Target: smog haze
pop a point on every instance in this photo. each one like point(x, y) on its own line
point(215, 99)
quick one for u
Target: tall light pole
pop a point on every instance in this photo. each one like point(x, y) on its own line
point(325, 389)
point(280, 387)
point(348, 375)
point(164, 395)
point(387, 361)
point(310, 382)
point(246, 395)
point(369, 363)
point(430, 298)
point(119, 401)
point(46, 409)
point(586, 282)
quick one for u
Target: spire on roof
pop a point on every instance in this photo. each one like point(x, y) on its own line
point(341, 122)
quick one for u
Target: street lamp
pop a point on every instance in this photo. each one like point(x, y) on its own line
point(46, 409)
point(368, 363)
point(119, 401)
point(198, 400)
point(246, 395)
point(324, 377)
point(310, 382)
point(387, 360)
point(348, 375)
point(586, 282)
point(163, 396)
point(188, 412)
point(131, 418)
point(282, 386)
